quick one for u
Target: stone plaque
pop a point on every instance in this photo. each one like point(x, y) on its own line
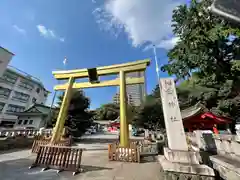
point(172, 115)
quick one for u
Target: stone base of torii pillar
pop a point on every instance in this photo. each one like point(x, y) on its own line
point(178, 163)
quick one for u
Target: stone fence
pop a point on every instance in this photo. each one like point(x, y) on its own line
point(226, 157)
point(24, 132)
point(228, 145)
point(221, 143)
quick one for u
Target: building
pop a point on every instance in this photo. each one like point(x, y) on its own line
point(135, 93)
point(34, 117)
point(18, 91)
point(198, 117)
point(5, 58)
point(116, 99)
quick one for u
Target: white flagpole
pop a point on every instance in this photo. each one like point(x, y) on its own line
point(156, 61)
point(65, 62)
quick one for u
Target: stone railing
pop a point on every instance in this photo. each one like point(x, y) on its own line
point(13, 133)
point(227, 160)
point(201, 140)
point(228, 145)
point(24, 132)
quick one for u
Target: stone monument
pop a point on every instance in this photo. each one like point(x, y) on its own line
point(178, 162)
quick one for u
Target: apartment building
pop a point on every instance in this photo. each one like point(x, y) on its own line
point(5, 58)
point(18, 91)
point(116, 99)
point(135, 93)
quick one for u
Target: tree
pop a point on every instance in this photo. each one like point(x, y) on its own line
point(208, 46)
point(108, 111)
point(150, 114)
point(204, 44)
point(111, 111)
point(79, 118)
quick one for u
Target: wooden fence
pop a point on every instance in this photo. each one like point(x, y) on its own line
point(59, 157)
point(117, 153)
point(41, 142)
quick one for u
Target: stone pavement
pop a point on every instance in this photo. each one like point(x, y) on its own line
point(95, 164)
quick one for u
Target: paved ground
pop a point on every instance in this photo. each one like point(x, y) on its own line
point(14, 166)
point(107, 135)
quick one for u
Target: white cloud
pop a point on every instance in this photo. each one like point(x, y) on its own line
point(20, 30)
point(144, 21)
point(168, 43)
point(165, 44)
point(49, 33)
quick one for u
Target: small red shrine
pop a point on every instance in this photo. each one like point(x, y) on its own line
point(198, 117)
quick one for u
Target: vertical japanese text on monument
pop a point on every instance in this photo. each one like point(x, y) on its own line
point(168, 87)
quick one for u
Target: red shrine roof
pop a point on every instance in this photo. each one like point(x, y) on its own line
point(199, 114)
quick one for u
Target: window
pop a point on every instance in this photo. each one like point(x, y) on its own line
point(30, 121)
point(8, 77)
point(15, 108)
point(25, 122)
point(34, 100)
point(1, 106)
point(20, 122)
point(21, 96)
point(4, 92)
point(38, 90)
point(26, 85)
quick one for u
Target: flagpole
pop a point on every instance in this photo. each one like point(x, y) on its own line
point(156, 62)
point(64, 63)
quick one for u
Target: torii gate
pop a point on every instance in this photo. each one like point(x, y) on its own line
point(93, 74)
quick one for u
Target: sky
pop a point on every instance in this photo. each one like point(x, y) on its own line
point(89, 33)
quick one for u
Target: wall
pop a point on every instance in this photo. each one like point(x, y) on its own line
point(15, 143)
point(38, 122)
point(5, 58)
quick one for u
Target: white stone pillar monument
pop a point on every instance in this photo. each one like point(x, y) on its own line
point(177, 158)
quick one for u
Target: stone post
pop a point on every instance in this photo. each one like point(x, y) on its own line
point(177, 158)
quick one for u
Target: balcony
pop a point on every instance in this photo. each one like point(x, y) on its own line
point(8, 79)
point(21, 97)
point(26, 86)
point(15, 108)
point(4, 93)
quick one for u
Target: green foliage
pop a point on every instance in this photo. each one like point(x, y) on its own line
point(107, 112)
point(205, 47)
point(150, 115)
point(79, 118)
point(111, 111)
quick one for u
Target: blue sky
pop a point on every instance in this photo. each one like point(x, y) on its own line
point(89, 34)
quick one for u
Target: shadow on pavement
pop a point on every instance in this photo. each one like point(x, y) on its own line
point(19, 170)
point(96, 149)
point(87, 168)
point(149, 159)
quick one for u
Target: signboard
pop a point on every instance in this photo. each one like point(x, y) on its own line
point(229, 9)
